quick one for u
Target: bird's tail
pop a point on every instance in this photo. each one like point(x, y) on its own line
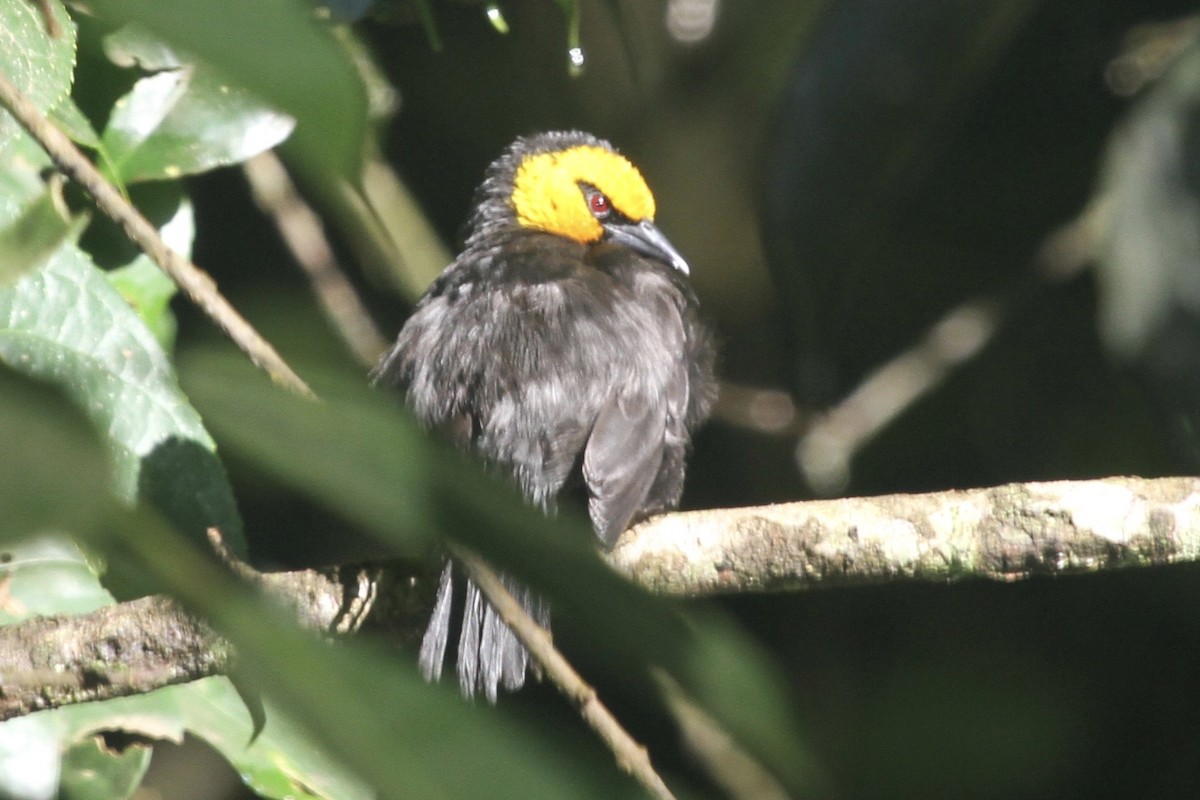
point(489, 654)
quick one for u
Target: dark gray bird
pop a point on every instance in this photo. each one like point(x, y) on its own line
point(563, 346)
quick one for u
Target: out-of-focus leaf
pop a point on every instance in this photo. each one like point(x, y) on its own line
point(149, 291)
point(54, 467)
point(277, 51)
point(65, 324)
point(133, 46)
point(280, 762)
point(403, 736)
point(40, 66)
point(186, 121)
point(342, 452)
point(1149, 264)
point(21, 174)
point(35, 234)
point(92, 771)
point(48, 574)
point(399, 482)
point(39, 751)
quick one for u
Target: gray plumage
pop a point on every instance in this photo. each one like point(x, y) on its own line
point(559, 363)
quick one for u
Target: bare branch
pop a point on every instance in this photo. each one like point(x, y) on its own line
point(304, 235)
point(142, 645)
point(1003, 533)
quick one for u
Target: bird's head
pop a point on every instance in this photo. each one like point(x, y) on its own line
point(573, 185)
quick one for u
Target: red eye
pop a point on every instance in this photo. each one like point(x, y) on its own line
point(598, 203)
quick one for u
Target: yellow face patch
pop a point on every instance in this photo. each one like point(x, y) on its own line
point(546, 193)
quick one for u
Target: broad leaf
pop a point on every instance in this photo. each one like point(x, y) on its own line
point(402, 485)
point(54, 466)
point(186, 121)
point(67, 325)
point(50, 575)
point(407, 738)
point(41, 67)
point(276, 50)
point(280, 762)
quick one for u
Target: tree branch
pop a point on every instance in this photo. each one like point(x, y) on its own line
point(1003, 533)
point(145, 644)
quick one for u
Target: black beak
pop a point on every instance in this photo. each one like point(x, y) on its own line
point(647, 239)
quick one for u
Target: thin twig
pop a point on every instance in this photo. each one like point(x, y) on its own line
point(730, 767)
point(631, 756)
point(304, 235)
point(825, 450)
point(196, 283)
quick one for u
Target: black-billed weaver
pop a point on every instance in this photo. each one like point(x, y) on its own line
point(563, 346)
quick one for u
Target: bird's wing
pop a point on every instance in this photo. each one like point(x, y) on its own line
point(621, 461)
point(624, 452)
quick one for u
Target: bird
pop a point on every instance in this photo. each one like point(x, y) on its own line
point(564, 346)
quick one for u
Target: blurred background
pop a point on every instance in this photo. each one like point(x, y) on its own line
point(944, 244)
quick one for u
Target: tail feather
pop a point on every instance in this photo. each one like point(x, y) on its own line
point(489, 654)
point(433, 644)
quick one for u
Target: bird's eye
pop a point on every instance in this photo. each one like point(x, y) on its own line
point(598, 204)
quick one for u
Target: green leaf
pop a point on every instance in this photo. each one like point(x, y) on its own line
point(37, 232)
point(48, 574)
point(187, 121)
point(281, 762)
point(55, 469)
point(370, 455)
point(41, 67)
point(92, 771)
point(133, 46)
point(149, 291)
point(276, 50)
point(146, 287)
point(71, 121)
point(373, 447)
point(67, 325)
point(407, 738)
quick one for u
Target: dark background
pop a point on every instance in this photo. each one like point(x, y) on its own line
point(840, 175)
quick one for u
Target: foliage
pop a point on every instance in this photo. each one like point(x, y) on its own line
point(903, 160)
point(120, 478)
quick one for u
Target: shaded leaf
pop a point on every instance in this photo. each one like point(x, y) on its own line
point(133, 46)
point(354, 453)
point(146, 287)
point(35, 234)
point(631, 631)
point(92, 771)
point(281, 762)
point(186, 121)
point(407, 738)
point(54, 467)
point(48, 574)
point(65, 324)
